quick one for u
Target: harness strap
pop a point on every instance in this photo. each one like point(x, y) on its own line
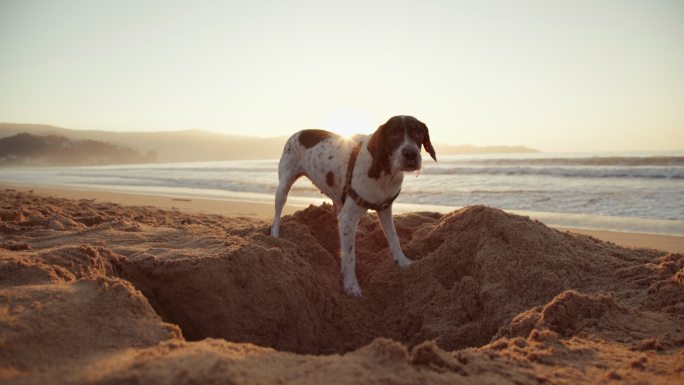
point(348, 190)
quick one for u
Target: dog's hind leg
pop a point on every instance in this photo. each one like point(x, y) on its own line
point(288, 172)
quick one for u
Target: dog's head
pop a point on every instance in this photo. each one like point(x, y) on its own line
point(395, 146)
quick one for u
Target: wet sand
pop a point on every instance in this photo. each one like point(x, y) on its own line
point(264, 211)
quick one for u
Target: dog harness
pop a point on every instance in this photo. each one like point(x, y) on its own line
point(348, 190)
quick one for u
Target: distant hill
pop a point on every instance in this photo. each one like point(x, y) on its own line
point(469, 149)
point(198, 145)
point(53, 150)
point(170, 146)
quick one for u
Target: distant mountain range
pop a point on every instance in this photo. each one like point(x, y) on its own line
point(197, 145)
point(53, 150)
point(450, 149)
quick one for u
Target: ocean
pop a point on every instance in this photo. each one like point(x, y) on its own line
point(640, 192)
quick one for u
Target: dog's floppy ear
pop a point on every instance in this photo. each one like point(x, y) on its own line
point(428, 145)
point(377, 147)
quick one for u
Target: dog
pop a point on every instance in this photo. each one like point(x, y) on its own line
point(358, 174)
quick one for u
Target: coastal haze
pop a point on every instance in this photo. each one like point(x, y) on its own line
point(551, 75)
point(197, 145)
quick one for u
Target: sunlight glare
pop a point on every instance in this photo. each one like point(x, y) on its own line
point(347, 122)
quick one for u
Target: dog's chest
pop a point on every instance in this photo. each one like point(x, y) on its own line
point(326, 165)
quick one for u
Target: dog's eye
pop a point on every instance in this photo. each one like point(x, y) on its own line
point(396, 133)
point(419, 134)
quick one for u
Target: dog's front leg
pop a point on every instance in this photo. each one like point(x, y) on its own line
point(387, 224)
point(348, 218)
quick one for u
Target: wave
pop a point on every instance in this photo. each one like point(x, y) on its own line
point(184, 181)
point(640, 187)
point(152, 168)
point(624, 161)
point(574, 172)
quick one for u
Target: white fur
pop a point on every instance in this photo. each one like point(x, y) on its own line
point(332, 154)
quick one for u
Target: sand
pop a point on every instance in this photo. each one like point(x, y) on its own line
point(264, 211)
point(99, 292)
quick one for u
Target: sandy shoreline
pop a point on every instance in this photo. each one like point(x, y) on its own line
point(95, 292)
point(264, 211)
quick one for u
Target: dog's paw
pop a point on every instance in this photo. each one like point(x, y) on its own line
point(353, 289)
point(404, 262)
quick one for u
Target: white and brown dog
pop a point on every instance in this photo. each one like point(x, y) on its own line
point(363, 173)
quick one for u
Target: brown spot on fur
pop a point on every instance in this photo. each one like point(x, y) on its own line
point(310, 138)
point(380, 156)
point(330, 179)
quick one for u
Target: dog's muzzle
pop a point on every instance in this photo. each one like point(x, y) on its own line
point(410, 159)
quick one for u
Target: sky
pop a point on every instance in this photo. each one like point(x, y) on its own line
point(599, 75)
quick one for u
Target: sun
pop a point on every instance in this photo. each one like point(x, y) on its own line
point(347, 122)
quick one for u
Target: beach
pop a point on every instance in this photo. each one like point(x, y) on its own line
point(258, 209)
point(108, 287)
point(526, 159)
point(616, 192)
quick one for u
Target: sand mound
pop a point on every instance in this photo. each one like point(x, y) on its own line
point(476, 269)
point(86, 284)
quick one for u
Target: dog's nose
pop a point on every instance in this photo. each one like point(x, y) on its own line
point(409, 154)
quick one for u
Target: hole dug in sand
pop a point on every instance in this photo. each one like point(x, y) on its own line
point(476, 269)
point(551, 307)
